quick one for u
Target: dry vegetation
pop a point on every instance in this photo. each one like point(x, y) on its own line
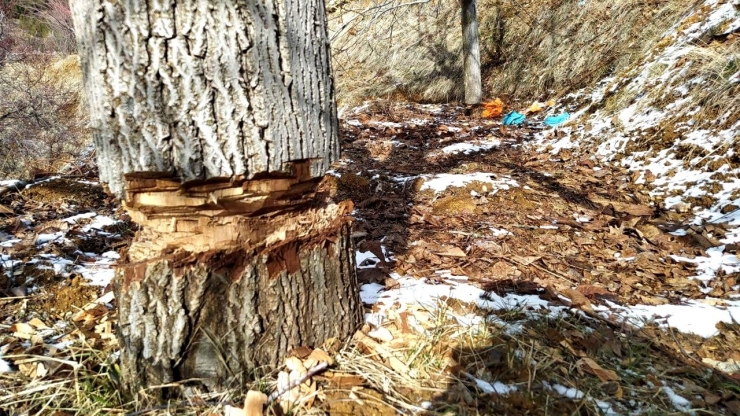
point(530, 49)
point(422, 359)
point(395, 49)
point(42, 117)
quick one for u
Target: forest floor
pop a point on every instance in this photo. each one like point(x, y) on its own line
point(498, 278)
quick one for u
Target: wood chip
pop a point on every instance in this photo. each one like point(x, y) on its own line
point(380, 350)
point(449, 251)
point(38, 323)
point(254, 403)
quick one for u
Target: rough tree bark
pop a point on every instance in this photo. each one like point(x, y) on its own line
point(471, 52)
point(214, 122)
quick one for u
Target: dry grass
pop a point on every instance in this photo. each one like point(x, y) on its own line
point(716, 95)
point(529, 50)
point(84, 382)
point(537, 354)
point(42, 116)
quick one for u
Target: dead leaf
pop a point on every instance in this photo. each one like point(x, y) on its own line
point(374, 347)
point(373, 247)
point(403, 319)
point(711, 398)
point(590, 366)
point(22, 330)
point(301, 352)
point(613, 389)
point(734, 407)
point(391, 283)
point(450, 251)
point(622, 207)
point(318, 356)
point(332, 345)
point(577, 299)
point(371, 275)
point(503, 269)
point(591, 291)
point(345, 381)
point(569, 347)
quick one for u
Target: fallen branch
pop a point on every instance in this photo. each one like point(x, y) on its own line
point(297, 382)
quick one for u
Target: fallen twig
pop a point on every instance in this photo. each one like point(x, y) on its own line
point(297, 382)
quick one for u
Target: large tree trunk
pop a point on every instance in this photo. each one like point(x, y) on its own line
point(471, 52)
point(214, 121)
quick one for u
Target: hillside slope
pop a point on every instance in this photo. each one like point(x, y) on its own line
point(529, 49)
point(673, 118)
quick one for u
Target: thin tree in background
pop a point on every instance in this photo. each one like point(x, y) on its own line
point(471, 52)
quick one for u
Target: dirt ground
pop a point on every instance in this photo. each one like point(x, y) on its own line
point(578, 235)
point(575, 233)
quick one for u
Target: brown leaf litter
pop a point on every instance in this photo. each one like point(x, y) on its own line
point(575, 236)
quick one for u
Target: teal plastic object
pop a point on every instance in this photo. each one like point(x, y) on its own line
point(555, 120)
point(514, 119)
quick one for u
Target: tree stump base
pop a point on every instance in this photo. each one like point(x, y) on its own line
point(221, 286)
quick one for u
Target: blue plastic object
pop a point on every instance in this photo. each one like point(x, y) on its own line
point(555, 120)
point(514, 119)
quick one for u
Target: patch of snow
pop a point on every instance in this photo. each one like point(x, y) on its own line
point(42, 239)
point(99, 223)
point(496, 387)
point(606, 408)
point(73, 219)
point(498, 232)
point(428, 293)
point(5, 366)
point(707, 267)
point(730, 366)
point(694, 316)
point(49, 179)
point(680, 403)
point(99, 273)
point(58, 264)
point(468, 148)
point(582, 218)
point(370, 293)
point(568, 392)
point(10, 243)
point(442, 181)
point(366, 260)
point(9, 182)
point(386, 124)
